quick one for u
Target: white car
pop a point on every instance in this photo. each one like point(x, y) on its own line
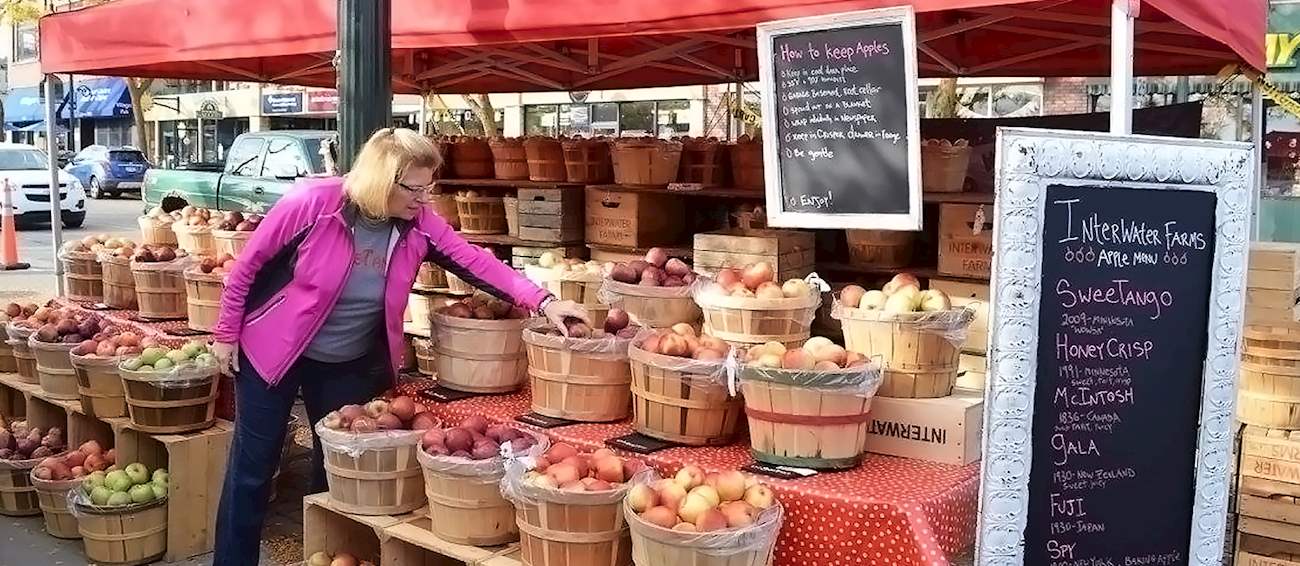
point(26, 168)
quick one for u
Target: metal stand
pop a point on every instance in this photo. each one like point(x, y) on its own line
point(364, 71)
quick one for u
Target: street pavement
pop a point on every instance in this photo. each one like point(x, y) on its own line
point(115, 217)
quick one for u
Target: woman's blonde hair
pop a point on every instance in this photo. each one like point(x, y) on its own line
point(386, 157)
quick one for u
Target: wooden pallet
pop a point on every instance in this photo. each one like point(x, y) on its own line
point(196, 461)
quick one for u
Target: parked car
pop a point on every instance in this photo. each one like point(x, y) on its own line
point(108, 172)
point(259, 168)
point(27, 168)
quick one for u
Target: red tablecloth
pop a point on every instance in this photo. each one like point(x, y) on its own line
point(888, 511)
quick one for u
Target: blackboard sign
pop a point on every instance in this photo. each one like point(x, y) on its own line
point(1121, 344)
point(840, 103)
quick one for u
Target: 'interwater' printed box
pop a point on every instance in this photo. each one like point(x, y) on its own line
point(945, 430)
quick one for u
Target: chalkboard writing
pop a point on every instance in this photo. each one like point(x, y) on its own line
point(1121, 346)
point(841, 98)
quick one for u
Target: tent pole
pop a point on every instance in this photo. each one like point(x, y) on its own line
point(1121, 67)
point(364, 73)
point(52, 152)
point(1257, 141)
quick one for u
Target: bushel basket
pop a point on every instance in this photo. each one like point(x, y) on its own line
point(482, 215)
point(579, 379)
point(480, 356)
point(812, 419)
point(468, 158)
point(160, 289)
point(682, 400)
point(919, 351)
point(545, 159)
point(155, 233)
point(645, 161)
point(171, 402)
point(203, 298)
point(119, 283)
point(197, 239)
point(84, 276)
point(54, 368)
point(24, 359)
point(231, 241)
point(754, 545)
point(375, 473)
point(587, 161)
point(123, 536)
point(99, 386)
point(652, 307)
point(559, 528)
point(465, 501)
point(509, 160)
point(580, 287)
point(53, 496)
point(749, 321)
point(18, 497)
point(1269, 392)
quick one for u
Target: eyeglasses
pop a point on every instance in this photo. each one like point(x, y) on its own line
point(424, 191)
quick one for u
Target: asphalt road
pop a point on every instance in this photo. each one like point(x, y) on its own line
point(115, 217)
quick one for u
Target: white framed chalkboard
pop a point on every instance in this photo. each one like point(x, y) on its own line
point(841, 123)
point(1119, 281)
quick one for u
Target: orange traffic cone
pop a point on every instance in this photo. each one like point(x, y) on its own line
point(9, 233)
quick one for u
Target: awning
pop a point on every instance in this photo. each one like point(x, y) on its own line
point(458, 46)
point(38, 127)
point(104, 97)
point(24, 104)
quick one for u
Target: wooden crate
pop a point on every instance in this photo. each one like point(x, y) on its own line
point(410, 542)
point(529, 255)
point(1274, 256)
point(603, 253)
point(976, 295)
point(13, 404)
point(945, 430)
point(965, 240)
point(551, 214)
point(791, 253)
point(972, 371)
point(326, 529)
point(632, 218)
point(1255, 550)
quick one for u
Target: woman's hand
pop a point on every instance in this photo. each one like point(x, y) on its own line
point(227, 357)
point(557, 311)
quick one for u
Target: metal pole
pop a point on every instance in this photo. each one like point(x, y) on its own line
point(56, 216)
point(365, 73)
point(1257, 141)
point(1182, 89)
point(1121, 68)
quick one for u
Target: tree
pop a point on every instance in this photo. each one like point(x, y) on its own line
point(139, 89)
point(942, 103)
point(481, 104)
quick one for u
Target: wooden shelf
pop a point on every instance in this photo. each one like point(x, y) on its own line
point(503, 184)
point(922, 272)
point(718, 192)
point(958, 198)
point(507, 240)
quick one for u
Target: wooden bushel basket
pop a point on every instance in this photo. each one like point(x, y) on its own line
point(123, 536)
point(587, 161)
point(579, 379)
point(430, 277)
point(468, 158)
point(458, 286)
point(465, 501)
point(1269, 392)
point(682, 400)
point(8, 364)
point(53, 498)
point(231, 241)
point(653, 307)
point(444, 205)
point(582, 288)
point(24, 359)
point(480, 356)
point(203, 298)
point(813, 419)
point(99, 386)
point(918, 350)
point(943, 166)
point(171, 402)
point(84, 276)
point(570, 529)
point(54, 368)
point(18, 497)
point(645, 161)
point(879, 248)
point(747, 164)
point(482, 215)
point(748, 321)
point(509, 160)
point(545, 159)
point(426, 357)
point(375, 473)
point(197, 240)
point(154, 233)
point(160, 290)
point(703, 162)
point(119, 283)
point(754, 545)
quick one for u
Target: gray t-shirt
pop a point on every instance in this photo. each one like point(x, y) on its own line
point(349, 329)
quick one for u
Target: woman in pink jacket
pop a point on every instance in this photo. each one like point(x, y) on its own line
point(315, 304)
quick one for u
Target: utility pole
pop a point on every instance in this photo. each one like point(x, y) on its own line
point(364, 73)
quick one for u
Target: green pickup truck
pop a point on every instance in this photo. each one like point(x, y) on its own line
point(260, 167)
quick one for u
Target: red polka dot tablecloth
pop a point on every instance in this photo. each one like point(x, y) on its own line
point(887, 512)
point(165, 331)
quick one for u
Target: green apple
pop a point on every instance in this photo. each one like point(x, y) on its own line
point(141, 493)
point(118, 481)
point(163, 364)
point(138, 473)
point(150, 356)
point(119, 498)
point(159, 490)
point(100, 496)
point(92, 481)
point(160, 476)
point(178, 356)
point(192, 349)
point(112, 469)
point(133, 364)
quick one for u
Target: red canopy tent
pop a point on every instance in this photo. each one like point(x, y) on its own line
point(545, 45)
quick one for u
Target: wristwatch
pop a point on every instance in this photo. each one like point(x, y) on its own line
point(541, 307)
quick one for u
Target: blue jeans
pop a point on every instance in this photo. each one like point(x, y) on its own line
point(261, 420)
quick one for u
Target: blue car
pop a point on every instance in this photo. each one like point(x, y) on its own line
point(109, 172)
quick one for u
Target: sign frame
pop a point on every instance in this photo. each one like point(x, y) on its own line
point(1028, 161)
point(777, 216)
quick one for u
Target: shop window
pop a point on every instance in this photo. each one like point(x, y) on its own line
point(636, 119)
point(284, 160)
point(114, 133)
point(26, 42)
point(575, 120)
point(672, 118)
point(604, 119)
point(541, 120)
point(245, 158)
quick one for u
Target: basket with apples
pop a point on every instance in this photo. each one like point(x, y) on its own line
point(23, 447)
point(156, 227)
point(194, 230)
point(583, 376)
point(463, 466)
point(119, 282)
point(19, 330)
point(572, 280)
point(481, 213)
point(750, 307)
point(918, 334)
point(479, 345)
point(95, 362)
point(159, 281)
point(122, 514)
point(56, 476)
point(679, 387)
point(570, 505)
point(62, 331)
point(8, 364)
point(719, 519)
point(82, 270)
point(233, 231)
point(371, 461)
point(204, 282)
point(656, 290)
point(171, 391)
point(808, 406)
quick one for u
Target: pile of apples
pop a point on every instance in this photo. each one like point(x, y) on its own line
point(218, 265)
point(21, 441)
point(112, 342)
point(131, 485)
point(99, 242)
point(656, 270)
point(682, 341)
point(475, 439)
point(401, 413)
point(195, 216)
point(565, 469)
point(159, 358)
point(617, 323)
point(152, 253)
point(694, 502)
point(902, 294)
point(336, 559)
point(233, 221)
point(483, 308)
point(17, 312)
point(67, 326)
point(87, 459)
point(816, 354)
point(159, 217)
point(758, 280)
point(556, 262)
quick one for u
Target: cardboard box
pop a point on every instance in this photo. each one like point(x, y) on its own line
point(977, 295)
point(966, 240)
point(946, 430)
point(632, 219)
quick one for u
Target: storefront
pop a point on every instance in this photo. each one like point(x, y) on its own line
point(199, 128)
point(300, 110)
point(1279, 206)
point(102, 113)
point(24, 114)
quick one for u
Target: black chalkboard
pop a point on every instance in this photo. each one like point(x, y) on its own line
point(842, 113)
point(1122, 337)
